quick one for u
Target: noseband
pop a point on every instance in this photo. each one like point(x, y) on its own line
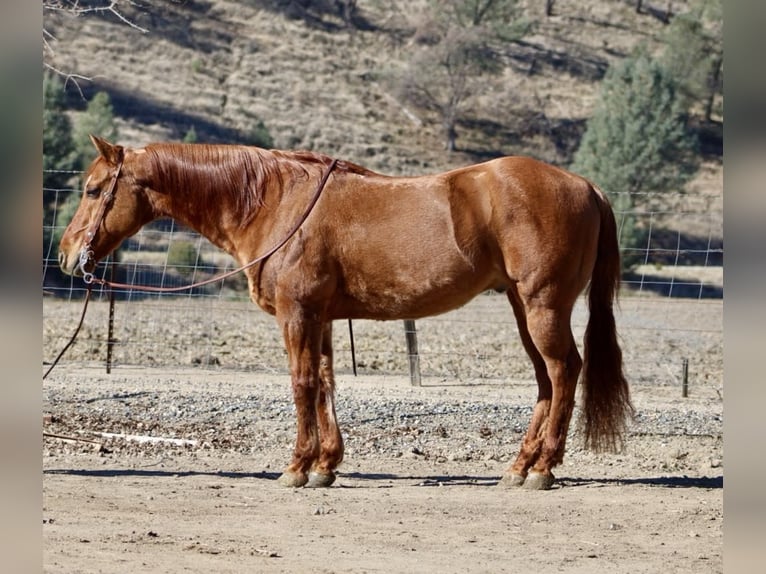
point(86, 253)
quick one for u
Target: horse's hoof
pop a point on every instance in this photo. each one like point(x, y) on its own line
point(539, 481)
point(511, 481)
point(292, 479)
point(320, 479)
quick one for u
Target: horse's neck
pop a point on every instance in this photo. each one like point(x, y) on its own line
point(213, 220)
point(232, 221)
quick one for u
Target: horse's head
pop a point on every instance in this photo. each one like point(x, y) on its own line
point(114, 205)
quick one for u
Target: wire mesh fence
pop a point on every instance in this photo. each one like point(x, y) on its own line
point(671, 306)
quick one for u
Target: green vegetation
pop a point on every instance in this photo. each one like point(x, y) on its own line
point(98, 120)
point(494, 19)
point(190, 136)
point(259, 136)
point(640, 138)
point(59, 155)
point(184, 256)
point(67, 149)
point(638, 141)
point(693, 54)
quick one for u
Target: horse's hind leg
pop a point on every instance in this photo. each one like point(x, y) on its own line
point(550, 330)
point(547, 337)
point(532, 441)
point(331, 441)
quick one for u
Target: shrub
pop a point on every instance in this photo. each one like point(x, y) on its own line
point(184, 256)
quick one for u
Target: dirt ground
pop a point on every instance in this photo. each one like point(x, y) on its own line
point(213, 505)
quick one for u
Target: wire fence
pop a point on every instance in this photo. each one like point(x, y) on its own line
point(670, 311)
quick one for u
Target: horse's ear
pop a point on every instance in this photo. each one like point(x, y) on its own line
point(113, 154)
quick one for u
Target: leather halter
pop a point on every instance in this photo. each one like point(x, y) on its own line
point(86, 253)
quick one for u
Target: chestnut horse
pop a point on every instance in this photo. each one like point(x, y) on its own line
point(380, 247)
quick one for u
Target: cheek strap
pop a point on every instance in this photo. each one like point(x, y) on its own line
point(87, 257)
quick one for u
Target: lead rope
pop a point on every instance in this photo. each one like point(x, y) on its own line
point(90, 279)
point(74, 335)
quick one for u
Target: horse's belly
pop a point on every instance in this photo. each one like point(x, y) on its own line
point(414, 262)
point(413, 291)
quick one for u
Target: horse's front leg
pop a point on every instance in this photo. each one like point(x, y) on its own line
point(331, 441)
point(303, 339)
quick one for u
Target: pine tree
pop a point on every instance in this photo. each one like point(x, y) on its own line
point(693, 53)
point(637, 140)
point(59, 156)
point(98, 120)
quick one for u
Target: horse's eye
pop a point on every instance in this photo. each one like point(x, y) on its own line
point(93, 191)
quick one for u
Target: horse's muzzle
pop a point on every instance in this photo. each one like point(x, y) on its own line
point(85, 263)
point(64, 264)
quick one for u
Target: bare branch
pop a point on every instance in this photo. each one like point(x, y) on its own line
point(46, 45)
point(69, 77)
point(114, 11)
point(74, 8)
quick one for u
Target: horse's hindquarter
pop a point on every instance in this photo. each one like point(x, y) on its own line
point(546, 221)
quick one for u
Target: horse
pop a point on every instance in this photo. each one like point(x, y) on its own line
point(323, 239)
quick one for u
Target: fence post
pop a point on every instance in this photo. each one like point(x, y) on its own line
point(110, 329)
point(411, 336)
point(685, 378)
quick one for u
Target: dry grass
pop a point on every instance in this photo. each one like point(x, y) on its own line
point(223, 65)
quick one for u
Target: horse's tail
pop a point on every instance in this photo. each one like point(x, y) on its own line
point(606, 396)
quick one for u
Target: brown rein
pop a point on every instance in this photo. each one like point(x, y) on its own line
point(90, 279)
point(74, 335)
point(86, 255)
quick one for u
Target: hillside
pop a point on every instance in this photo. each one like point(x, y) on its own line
point(221, 66)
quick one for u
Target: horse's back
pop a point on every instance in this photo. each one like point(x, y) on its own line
point(525, 181)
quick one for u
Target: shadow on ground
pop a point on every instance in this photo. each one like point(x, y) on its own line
point(389, 480)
